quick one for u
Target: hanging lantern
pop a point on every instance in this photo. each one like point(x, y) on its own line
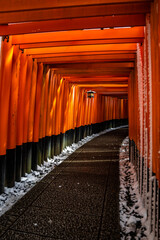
point(90, 94)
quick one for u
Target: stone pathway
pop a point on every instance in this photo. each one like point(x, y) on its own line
point(78, 200)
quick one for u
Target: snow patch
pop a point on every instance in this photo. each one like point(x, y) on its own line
point(133, 215)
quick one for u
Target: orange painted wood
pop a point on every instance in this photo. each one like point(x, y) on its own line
point(84, 48)
point(61, 104)
point(48, 130)
point(79, 43)
point(93, 34)
point(132, 20)
point(95, 65)
point(155, 41)
point(96, 79)
point(78, 54)
point(42, 103)
point(38, 98)
point(32, 102)
point(28, 73)
point(44, 110)
point(74, 12)
point(51, 104)
point(114, 71)
point(16, 5)
point(21, 99)
point(79, 108)
point(55, 82)
point(92, 58)
point(106, 85)
point(13, 104)
point(5, 83)
point(76, 97)
point(57, 109)
point(99, 83)
point(66, 94)
point(49, 109)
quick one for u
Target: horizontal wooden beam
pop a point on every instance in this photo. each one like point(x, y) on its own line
point(84, 48)
point(117, 95)
point(78, 54)
point(115, 71)
point(83, 42)
point(98, 82)
point(91, 66)
point(96, 78)
point(16, 5)
point(105, 85)
point(79, 35)
point(94, 74)
point(74, 24)
point(73, 12)
point(102, 57)
point(106, 89)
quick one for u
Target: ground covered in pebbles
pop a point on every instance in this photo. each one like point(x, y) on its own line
point(133, 216)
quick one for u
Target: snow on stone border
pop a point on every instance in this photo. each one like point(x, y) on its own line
point(133, 216)
point(12, 195)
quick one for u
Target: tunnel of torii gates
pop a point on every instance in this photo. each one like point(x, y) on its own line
point(51, 54)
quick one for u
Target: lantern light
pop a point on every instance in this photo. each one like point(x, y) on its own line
point(90, 94)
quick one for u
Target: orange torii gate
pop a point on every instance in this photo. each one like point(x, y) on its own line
point(51, 54)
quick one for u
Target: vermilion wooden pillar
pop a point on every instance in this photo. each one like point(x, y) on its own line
point(36, 156)
point(5, 84)
point(28, 72)
point(13, 165)
point(31, 116)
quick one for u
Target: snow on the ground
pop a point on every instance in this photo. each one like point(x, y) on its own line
point(12, 195)
point(133, 216)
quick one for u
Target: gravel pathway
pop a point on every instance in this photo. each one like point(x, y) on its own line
point(79, 199)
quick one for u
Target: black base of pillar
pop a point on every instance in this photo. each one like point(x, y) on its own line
point(43, 150)
point(52, 145)
point(19, 163)
point(57, 145)
point(62, 141)
point(34, 156)
point(29, 157)
point(24, 159)
point(159, 212)
point(114, 123)
point(10, 167)
point(87, 130)
point(84, 131)
point(39, 153)
point(66, 138)
point(74, 135)
point(110, 124)
point(90, 130)
point(2, 172)
point(70, 137)
point(47, 147)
